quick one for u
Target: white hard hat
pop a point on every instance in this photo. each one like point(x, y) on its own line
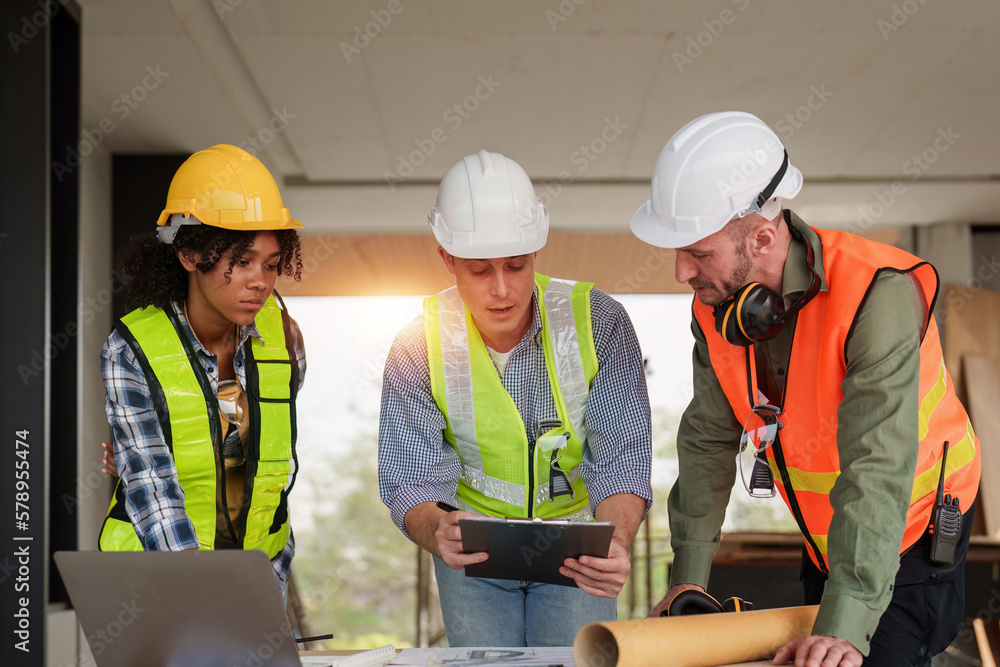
point(487, 208)
point(715, 168)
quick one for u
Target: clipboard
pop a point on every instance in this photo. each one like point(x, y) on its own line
point(531, 549)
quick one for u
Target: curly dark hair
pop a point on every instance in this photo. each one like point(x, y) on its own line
point(155, 276)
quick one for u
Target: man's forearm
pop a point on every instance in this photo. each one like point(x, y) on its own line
point(421, 523)
point(625, 511)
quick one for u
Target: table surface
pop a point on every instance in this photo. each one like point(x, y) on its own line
point(758, 663)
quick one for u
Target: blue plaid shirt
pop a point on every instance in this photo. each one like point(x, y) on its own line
point(154, 498)
point(416, 465)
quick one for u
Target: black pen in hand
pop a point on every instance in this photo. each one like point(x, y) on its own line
point(446, 507)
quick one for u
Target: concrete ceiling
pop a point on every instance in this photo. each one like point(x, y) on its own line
point(888, 108)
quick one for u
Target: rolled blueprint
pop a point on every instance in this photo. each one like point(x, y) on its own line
point(703, 640)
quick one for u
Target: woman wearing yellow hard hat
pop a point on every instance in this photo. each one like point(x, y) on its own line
point(201, 378)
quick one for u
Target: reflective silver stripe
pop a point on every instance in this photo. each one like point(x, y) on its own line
point(458, 377)
point(461, 402)
point(566, 350)
point(542, 495)
point(491, 487)
point(582, 515)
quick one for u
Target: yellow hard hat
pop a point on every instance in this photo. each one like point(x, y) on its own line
point(224, 186)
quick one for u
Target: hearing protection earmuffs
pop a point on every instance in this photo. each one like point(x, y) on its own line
point(693, 601)
point(755, 313)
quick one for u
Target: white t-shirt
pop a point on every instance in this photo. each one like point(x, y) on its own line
point(499, 358)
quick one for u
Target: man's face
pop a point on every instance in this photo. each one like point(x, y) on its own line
point(714, 267)
point(498, 294)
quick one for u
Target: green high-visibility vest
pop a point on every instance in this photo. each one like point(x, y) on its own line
point(502, 474)
point(189, 417)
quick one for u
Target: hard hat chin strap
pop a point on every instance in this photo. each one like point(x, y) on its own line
point(757, 206)
point(766, 193)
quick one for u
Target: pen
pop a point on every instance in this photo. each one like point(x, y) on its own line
point(314, 639)
point(446, 507)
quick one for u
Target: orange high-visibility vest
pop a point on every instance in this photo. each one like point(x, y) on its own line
point(807, 464)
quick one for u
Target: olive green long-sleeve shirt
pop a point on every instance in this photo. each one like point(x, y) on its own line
point(877, 441)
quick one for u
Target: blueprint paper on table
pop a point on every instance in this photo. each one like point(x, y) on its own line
point(532, 656)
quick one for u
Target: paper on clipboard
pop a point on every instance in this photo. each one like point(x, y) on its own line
point(531, 549)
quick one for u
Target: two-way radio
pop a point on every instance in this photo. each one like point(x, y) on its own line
point(946, 522)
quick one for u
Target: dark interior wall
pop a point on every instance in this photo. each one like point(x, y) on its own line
point(24, 168)
point(39, 230)
point(985, 249)
point(139, 185)
point(64, 273)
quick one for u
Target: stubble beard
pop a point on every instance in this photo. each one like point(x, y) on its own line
point(736, 280)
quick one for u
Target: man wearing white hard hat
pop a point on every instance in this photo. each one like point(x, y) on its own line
point(513, 395)
point(818, 374)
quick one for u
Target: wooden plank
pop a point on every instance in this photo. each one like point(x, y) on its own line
point(984, 643)
point(982, 382)
point(395, 264)
point(971, 325)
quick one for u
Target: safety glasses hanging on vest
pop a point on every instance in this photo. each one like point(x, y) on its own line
point(759, 432)
point(755, 313)
point(228, 395)
point(554, 446)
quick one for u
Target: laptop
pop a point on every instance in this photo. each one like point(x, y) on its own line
point(179, 608)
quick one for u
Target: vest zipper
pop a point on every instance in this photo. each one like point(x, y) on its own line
point(531, 479)
point(779, 458)
point(225, 503)
point(253, 446)
point(544, 427)
point(529, 501)
point(793, 504)
point(212, 407)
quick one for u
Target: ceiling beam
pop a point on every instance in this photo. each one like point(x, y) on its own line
point(408, 264)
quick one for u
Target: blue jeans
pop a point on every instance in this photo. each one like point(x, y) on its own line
point(500, 612)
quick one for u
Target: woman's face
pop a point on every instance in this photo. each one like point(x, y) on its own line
point(238, 297)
